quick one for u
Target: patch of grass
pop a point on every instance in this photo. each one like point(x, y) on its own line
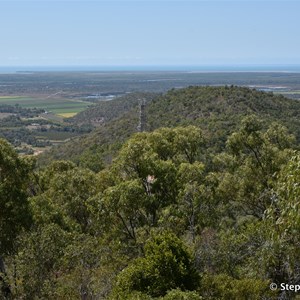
point(68, 114)
point(288, 93)
point(10, 97)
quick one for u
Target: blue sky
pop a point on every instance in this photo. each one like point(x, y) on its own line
point(141, 32)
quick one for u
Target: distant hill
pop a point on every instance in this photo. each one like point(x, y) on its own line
point(106, 111)
point(217, 110)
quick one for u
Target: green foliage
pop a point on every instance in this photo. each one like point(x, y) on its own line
point(175, 294)
point(64, 200)
point(56, 167)
point(259, 155)
point(92, 159)
point(197, 200)
point(166, 265)
point(282, 224)
point(87, 268)
point(148, 176)
point(224, 287)
point(120, 232)
point(37, 264)
point(285, 209)
point(14, 209)
point(181, 295)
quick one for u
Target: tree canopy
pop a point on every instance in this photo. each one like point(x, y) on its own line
point(167, 219)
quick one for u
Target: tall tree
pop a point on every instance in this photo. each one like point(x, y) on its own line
point(167, 265)
point(14, 209)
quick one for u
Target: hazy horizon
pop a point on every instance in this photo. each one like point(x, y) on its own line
point(155, 68)
point(152, 33)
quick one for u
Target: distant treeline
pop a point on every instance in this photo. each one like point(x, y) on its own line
point(23, 112)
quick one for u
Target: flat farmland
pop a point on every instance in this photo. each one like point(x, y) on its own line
point(59, 106)
point(64, 94)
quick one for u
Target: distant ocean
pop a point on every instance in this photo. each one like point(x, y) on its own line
point(168, 68)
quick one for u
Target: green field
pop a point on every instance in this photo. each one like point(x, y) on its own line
point(288, 93)
point(63, 107)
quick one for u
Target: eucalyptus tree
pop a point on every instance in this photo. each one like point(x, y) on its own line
point(15, 215)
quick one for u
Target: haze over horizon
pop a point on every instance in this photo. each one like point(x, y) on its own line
point(149, 33)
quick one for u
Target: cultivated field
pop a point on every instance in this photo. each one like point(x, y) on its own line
point(64, 94)
point(59, 106)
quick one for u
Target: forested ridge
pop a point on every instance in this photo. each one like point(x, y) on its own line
point(203, 205)
point(218, 111)
point(106, 111)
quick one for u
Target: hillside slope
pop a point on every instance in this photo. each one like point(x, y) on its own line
point(106, 111)
point(217, 110)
